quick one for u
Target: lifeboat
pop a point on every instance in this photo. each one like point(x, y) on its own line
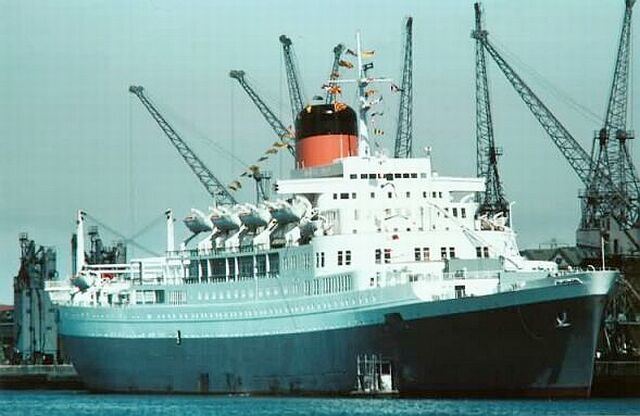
point(254, 216)
point(197, 222)
point(225, 219)
point(83, 281)
point(287, 212)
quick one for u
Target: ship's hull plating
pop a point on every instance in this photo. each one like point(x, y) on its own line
point(526, 350)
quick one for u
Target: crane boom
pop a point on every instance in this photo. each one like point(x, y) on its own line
point(213, 186)
point(404, 132)
point(278, 127)
point(492, 201)
point(616, 117)
point(575, 154)
point(296, 95)
point(613, 155)
point(335, 67)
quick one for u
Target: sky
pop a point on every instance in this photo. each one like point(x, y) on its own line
point(72, 136)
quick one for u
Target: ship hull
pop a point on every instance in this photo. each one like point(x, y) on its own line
point(518, 350)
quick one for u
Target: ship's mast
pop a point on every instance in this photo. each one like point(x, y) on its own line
point(363, 133)
point(362, 81)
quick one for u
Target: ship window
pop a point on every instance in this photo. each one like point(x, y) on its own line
point(414, 175)
point(408, 194)
point(353, 176)
point(347, 257)
point(478, 252)
point(460, 292)
point(322, 259)
point(455, 212)
point(485, 251)
point(421, 254)
point(390, 194)
point(335, 196)
point(378, 256)
point(424, 194)
point(423, 175)
point(439, 194)
point(452, 252)
point(443, 252)
point(344, 195)
point(463, 212)
point(317, 259)
point(387, 255)
point(353, 195)
point(372, 176)
point(388, 176)
point(340, 258)
point(373, 195)
point(405, 175)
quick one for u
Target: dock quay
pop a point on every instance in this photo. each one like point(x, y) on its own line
point(51, 377)
point(616, 379)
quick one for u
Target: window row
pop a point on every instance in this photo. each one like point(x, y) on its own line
point(387, 255)
point(387, 176)
point(482, 252)
point(325, 285)
point(345, 195)
point(344, 258)
point(454, 212)
point(450, 254)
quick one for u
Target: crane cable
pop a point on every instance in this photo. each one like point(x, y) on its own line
point(192, 131)
point(546, 84)
point(123, 237)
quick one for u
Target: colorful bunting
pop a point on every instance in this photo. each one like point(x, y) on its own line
point(345, 64)
point(338, 106)
point(369, 93)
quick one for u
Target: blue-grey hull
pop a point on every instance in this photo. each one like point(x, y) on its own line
point(523, 350)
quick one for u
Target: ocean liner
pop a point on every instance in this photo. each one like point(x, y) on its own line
point(366, 274)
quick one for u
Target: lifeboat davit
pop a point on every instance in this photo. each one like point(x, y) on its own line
point(254, 216)
point(225, 219)
point(197, 222)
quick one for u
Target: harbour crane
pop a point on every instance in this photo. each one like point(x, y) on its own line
point(278, 127)
point(492, 202)
point(296, 94)
point(214, 187)
point(612, 156)
point(335, 67)
point(404, 132)
point(575, 154)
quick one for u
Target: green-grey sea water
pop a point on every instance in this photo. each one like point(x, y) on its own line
point(54, 403)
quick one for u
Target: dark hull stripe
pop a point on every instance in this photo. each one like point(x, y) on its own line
point(514, 351)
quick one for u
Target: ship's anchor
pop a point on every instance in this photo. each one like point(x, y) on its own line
point(562, 320)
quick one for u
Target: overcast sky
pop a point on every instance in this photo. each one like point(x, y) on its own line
point(73, 137)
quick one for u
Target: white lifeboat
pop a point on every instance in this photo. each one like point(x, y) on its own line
point(197, 222)
point(83, 281)
point(254, 216)
point(286, 212)
point(225, 219)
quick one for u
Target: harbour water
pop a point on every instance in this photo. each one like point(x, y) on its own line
point(54, 403)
